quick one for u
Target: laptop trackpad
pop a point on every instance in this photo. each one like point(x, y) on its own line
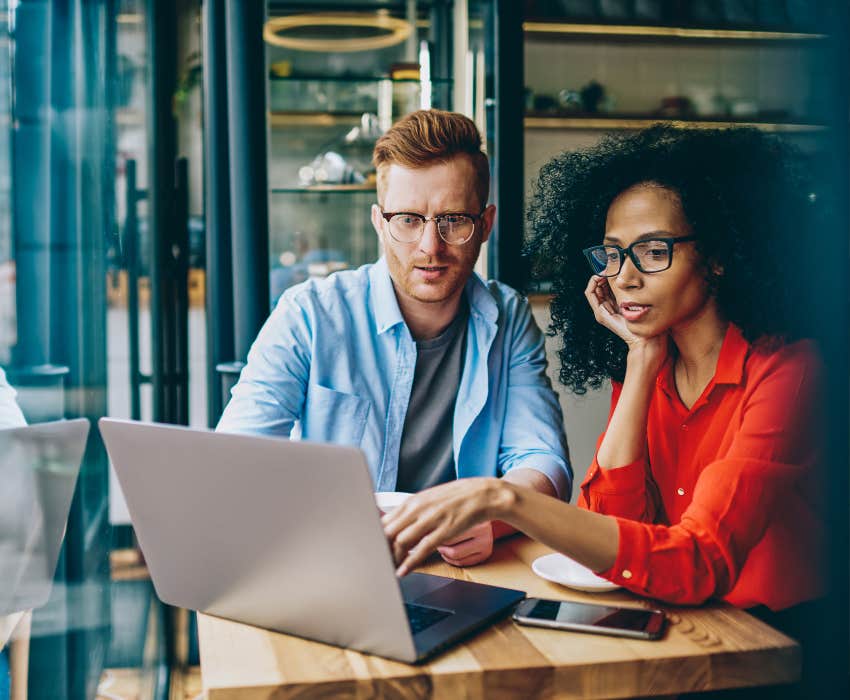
point(414, 586)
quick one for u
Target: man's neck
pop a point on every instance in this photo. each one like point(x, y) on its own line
point(427, 320)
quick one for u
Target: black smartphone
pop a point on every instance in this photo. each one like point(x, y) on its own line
point(637, 623)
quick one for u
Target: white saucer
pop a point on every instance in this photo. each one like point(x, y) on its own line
point(561, 569)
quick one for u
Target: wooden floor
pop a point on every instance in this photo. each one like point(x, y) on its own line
point(135, 684)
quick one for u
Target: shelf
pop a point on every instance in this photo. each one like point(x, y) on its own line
point(630, 123)
point(353, 79)
point(127, 116)
point(277, 119)
point(628, 31)
point(316, 189)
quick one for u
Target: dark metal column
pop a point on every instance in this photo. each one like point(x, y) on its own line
point(31, 182)
point(506, 261)
point(246, 89)
point(219, 272)
point(162, 57)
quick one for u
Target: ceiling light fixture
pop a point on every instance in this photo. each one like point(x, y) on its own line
point(396, 31)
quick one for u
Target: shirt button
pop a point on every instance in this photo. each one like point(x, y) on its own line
point(626, 574)
point(680, 491)
point(684, 426)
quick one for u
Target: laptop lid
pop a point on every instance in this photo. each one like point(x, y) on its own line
point(279, 534)
point(38, 473)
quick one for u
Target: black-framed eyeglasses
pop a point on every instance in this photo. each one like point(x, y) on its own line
point(649, 255)
point(454, 228)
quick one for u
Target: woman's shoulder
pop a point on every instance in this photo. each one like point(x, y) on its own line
point(798, 363)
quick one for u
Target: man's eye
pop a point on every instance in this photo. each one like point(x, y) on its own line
point(406, 220)
point(453, 219)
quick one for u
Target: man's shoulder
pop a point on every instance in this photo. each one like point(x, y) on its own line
point(508, 300)
point(345, 286)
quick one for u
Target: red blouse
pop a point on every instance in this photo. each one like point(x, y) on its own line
point(727, 501)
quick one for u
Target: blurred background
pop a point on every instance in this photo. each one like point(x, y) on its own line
point(169, 167)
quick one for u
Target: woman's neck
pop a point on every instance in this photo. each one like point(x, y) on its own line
point(698, 343)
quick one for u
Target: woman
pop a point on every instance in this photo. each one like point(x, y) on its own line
point(706, 481)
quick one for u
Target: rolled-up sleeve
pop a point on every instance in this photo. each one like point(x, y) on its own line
point(533, 433)
point(625, 491)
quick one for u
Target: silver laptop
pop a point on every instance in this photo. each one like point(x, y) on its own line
point(39, 465)
point(286, 536)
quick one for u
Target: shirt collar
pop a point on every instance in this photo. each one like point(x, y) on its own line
point(382, 292)
point(385, 303)
point(733, 354)
point(730, 363)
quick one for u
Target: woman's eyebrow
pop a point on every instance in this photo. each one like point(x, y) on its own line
point(642, 237)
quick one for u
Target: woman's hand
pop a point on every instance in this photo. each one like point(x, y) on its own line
point(438, 515)
point(650, 351)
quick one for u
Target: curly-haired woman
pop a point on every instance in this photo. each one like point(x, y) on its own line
point(706, 482)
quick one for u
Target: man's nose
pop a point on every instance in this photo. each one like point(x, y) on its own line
point(430, 242)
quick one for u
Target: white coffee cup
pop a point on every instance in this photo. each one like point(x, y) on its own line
point(388, 501)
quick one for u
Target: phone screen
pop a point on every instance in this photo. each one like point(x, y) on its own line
point(591, 615)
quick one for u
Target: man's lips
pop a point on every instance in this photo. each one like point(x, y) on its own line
point(430, 273)
point(632, 311)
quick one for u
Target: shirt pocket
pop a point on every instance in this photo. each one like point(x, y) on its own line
point(334, 416)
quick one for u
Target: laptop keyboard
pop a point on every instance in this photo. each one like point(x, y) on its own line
point(421, 617)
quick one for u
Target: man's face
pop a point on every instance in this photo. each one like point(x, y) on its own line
point(431, 271)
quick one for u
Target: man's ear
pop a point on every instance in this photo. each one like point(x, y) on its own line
point(488, 218)
point(378, 221)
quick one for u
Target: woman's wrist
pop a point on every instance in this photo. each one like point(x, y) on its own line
point(501, 498)
point(644, 359)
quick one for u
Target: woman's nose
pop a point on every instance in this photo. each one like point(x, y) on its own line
point(629, 276)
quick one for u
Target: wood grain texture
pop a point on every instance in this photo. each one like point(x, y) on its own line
point(706, 648)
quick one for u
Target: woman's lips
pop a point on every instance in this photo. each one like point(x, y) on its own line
point(632, 311)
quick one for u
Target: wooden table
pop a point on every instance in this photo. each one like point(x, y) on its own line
point(705, 648)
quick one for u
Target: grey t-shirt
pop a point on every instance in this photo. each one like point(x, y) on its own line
point(426, 457)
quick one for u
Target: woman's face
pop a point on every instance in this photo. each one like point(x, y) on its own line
point(657, 302)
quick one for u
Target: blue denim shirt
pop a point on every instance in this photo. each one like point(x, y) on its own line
point(337, 356)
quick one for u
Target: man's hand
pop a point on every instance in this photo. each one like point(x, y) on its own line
point(472, 547)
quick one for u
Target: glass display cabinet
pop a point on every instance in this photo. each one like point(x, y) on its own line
point(339, 75)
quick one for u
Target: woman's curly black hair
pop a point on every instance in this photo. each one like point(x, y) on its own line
point(746, 195)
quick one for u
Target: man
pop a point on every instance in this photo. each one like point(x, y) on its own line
point(434, 373)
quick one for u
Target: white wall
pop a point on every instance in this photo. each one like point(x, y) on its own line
point(584, 416)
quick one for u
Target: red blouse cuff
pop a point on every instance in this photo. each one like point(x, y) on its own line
point(618, 480)
point(630, 568)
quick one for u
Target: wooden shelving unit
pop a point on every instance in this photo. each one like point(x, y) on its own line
point(628, 31)
point(365, 187)
point(603, 123)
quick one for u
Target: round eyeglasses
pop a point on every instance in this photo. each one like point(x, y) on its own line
point(649, 255)
point(408, 227)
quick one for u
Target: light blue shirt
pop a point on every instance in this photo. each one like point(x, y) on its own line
point(10, 413)
point(336, 356)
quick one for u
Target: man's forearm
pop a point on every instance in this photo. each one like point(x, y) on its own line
point(530, 478)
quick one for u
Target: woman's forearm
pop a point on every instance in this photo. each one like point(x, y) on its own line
point(625, 438)
point(590, 538)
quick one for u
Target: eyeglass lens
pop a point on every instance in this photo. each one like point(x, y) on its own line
point(649, 256)
point(453, 228)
